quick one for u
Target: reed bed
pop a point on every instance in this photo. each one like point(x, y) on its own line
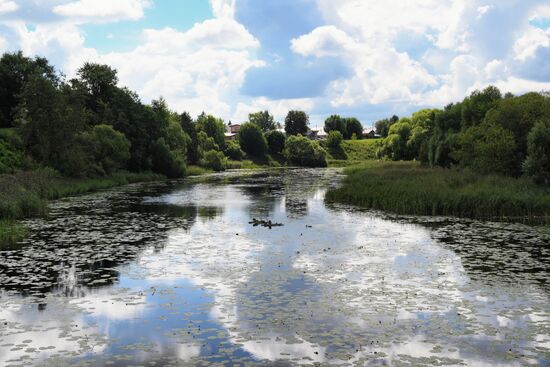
point(409, 188)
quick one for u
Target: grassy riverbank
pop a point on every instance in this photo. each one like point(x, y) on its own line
point(26, 194)
point(353, 152)
point(408, 188)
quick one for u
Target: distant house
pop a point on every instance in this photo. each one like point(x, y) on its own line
point(231, 131)
point(370, 134)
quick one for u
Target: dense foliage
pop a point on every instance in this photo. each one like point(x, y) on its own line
point(252, 139)
point(275, 141)
point(305, 152)
point(486, 132)
point(263, 119)
point(348, 127)
point(233, 151)
point(334, 139)
point(296, 123)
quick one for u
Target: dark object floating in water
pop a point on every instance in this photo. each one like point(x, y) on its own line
point(264, 223)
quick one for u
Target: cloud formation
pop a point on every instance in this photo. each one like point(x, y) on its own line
point(361, 57)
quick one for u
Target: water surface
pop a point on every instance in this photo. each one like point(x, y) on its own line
point(173, 274)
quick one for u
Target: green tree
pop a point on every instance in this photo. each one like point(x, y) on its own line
point(478, 104)
point(50, 126)
point(213, 127)
point(486, 149)
point(263, 119)
point(215, 160)
point(252, 140)
point(233, 151)
point(519, 115)
point(15, 71)
point(353, 126)
point(296, 123)
point(334, 139)
point(382, 127)
point(110, 148)
point(275, 141)
point(305, 152)
point(188, 126)
point(165, 161)
point(335, 123)
point(537, 164)
point(206, 143)
point(395, 145)
point(99, 81)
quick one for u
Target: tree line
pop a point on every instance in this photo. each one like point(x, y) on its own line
point(487, 132)
point(89, 126)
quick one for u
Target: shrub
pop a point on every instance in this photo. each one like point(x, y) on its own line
point(334, 139)
point(165, 161)
point(252, 139)
point(233, 151)
point(215, 160)
point(275, 141)
point(304, 152)
point(537, 164)
point(110, 148)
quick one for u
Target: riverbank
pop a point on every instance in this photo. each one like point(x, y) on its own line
point(26, 194)
point(409, 188)
point(353, 152)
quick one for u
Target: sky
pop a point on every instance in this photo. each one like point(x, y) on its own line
point(364, 58)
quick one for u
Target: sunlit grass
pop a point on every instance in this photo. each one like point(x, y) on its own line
point(11, 232)
point(409, 188)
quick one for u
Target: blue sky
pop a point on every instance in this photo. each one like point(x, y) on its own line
point(363, 58)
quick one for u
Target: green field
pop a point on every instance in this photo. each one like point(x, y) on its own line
point(409, 188)
point(353, 152)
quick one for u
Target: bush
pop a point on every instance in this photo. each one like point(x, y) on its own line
point(110, 148)
point(487, 149)
point(353, 127)
point(275, 141)
point(165, 161)
point(252, 139)
point(334, 139)
point(304, 152)
point(233, 151)
point(537, 164)
point(215, 160)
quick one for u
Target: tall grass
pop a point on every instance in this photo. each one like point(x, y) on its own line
point(26, 194)
point(408, 188)
point(11, 232)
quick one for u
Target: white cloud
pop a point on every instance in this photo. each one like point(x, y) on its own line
point(381, 74)
point(7, 6)
point(323, 41)
point(103, 10)
point(198, 70)
point(528, 43)
point(223, 8)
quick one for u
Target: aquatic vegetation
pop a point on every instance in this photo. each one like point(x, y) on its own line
point(11, 232)
point(173, 273)
point(409, 188)
point(26, 194)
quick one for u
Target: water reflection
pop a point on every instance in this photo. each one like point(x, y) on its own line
point(172, 273)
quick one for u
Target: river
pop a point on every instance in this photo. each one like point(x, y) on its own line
point(173, 273)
